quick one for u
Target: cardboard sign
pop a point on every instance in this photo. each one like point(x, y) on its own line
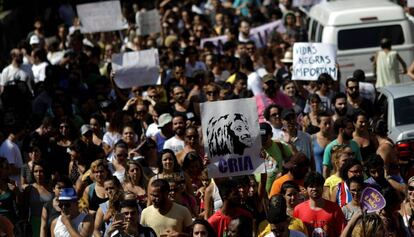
point(372, 200)
point(148, 22)
point(231, 137)
point(136, 68)
point(101, 16)
point(260, 35)
point(312, 59)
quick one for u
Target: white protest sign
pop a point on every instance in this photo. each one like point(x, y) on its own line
point(232, 137)
point(100, 16)
point(136, 68)
point(410, 3)
point(312, 59)
point(260, 35)
point(148, 22)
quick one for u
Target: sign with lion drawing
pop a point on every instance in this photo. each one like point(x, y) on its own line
point(231, 137)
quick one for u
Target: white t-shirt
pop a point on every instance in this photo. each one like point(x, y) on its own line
point(11, 152)
point(292, 233)
point(174, 143)
point(11, 73)
point(39, 72)
point(254, 83)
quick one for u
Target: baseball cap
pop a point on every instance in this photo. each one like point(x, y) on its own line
point(85, 129)
point(68, 194)
point(34, 39)
point(268, 77)
point(164, 119)
point(299, 159)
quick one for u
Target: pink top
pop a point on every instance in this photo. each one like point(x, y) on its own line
point(262, 101)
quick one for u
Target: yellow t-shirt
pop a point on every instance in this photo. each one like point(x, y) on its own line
point(295, 224)
point(332, 181)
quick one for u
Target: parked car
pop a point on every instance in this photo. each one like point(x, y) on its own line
point(397, 104)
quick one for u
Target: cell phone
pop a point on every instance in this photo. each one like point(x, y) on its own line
point(119, 217)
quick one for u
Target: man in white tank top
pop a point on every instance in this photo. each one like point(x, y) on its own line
point(71, 222)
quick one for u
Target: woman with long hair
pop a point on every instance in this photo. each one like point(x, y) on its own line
point(351, 168)
point(26, 174)
point(95, 193)
point(168, 168)
point(136, 182)
point(35, 196)
point(340, 154)
point(108, 209)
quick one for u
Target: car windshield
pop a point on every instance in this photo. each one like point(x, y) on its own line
point(403, 110)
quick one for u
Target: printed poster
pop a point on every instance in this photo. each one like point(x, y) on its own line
point(232, 137)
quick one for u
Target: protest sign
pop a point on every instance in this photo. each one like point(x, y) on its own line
point(410, 3)
point(100, 16)
point(260, 35)
point(372, 200)
point(312, 59)
point(148, 22)
point(231, 137)
point(136, 68)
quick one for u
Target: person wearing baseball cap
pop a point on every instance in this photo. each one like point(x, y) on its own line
point(298, 167)
point(165, 132)
point(71, 222)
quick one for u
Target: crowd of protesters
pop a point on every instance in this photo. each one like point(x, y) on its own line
point(81, 157)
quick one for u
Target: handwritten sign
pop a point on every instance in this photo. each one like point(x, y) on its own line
point(372, 200)
point(148, 22)
point(231, 132)
point(312, 59)
point(260, 35)
point(136, 68)
point(101, 16)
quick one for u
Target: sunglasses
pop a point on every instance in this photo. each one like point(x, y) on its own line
point(410, 188)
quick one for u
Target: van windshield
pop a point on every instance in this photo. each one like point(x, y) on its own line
point(403, 110)
point(369, 37)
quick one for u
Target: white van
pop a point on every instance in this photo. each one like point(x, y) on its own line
point(356, 27)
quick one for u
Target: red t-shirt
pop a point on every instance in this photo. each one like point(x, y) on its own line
point(220, 222)
point(329, 221)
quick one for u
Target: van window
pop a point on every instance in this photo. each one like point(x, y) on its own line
point(319, 34)
point(403, 108)
point(313, 30)
point(369, 37)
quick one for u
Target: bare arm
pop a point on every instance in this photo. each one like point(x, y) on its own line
point(403, 64)
point(351, 224)
point(98, 223)
point(52, 227)
point(410, 72)
point(208, 201)
point(43, 229)
point(325, 171)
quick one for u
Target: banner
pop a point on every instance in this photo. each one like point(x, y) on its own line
point(260, 35)
point(136, 68)
point(232, 137)
point(148, 22)
point(312, 59)
point(372, 200)
point(100, 16)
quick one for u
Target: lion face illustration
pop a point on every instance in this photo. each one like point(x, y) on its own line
point(228, 134)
